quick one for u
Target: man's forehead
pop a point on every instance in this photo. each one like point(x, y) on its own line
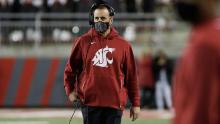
point(101, 12)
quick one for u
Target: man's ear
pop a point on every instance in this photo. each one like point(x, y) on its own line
point(111, 20)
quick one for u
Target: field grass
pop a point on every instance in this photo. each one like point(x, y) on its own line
point(74, 121)
point(61, 116)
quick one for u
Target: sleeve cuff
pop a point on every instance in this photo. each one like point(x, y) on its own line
point(68, 91)
point(136, 103)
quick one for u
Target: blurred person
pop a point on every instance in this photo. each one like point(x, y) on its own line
point(84, 5)
point(130, 32)
point(45, 6)
point(164, 2)
point(197, 77)
point(15, 6)
point(101, 71)
point(59, 6)
point(27, 6)
point(145, 74)
point(4, 6)
point(148, 6)
point(73, 5)
point(38, 4)
point(116, 4)
point(162, 68)
point(131, 6)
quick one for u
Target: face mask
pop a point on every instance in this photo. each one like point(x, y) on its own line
point(188, 12)
point(101, 27)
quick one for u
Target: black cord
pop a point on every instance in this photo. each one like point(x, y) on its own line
point(76, 105)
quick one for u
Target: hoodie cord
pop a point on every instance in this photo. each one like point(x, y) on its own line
point(76, 105)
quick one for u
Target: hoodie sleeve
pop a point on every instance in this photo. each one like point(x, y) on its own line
point(197, 76)
point(131, 78)
point(73, 67)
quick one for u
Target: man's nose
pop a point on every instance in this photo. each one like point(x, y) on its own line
point(99, 19)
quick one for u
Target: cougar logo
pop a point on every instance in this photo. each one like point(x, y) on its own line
point(100, 59)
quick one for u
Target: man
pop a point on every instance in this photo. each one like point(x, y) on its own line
point(145, 73)
point(101, 71)
point(197, 78)
point(162, 68)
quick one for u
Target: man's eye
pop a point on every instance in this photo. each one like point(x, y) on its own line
point(103, 18)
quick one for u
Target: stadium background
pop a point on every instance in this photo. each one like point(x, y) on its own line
point(35, 41)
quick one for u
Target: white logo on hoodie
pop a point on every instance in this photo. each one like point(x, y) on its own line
point(100, 59)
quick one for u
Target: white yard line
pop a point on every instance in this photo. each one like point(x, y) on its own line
point(38, 113)
point(66, 113)
point(24, 122)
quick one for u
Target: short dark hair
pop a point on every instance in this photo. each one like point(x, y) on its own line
point(99, 6)
point(102, 6)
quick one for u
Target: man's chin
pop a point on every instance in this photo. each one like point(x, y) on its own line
point(101, 33)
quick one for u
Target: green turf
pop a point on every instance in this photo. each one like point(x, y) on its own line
point(79, 121)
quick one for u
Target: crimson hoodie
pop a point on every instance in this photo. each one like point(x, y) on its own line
point(102, 71)
point(197, 77)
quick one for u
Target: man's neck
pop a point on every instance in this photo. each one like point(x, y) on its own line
point(106, 33)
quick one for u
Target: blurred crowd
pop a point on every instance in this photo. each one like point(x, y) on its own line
point(155, 74)
point(77, 5)
point(16, 33)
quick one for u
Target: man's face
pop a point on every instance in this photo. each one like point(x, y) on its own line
point(102, 15)
point(194, 11)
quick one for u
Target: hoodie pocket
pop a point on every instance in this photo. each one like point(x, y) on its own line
point(123, 93)
point(82, 85)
